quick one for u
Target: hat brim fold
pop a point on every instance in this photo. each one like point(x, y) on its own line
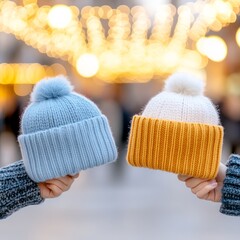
point(68, 149)
point(192, 149)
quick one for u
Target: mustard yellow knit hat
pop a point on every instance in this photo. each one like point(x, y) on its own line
point(178, 131)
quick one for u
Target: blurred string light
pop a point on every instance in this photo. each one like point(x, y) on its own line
point(28, 73)
point(238, 37)
point(87, 65)
point(213, 47)
point(152, 5)
point(22, 89)
point(125, 44)
point(59, 16)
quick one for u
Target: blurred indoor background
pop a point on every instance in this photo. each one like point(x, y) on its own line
point(118, 53)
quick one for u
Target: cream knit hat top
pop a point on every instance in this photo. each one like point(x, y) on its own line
point(182, 100)
point(178, 130)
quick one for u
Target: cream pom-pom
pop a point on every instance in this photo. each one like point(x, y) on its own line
point(185, 84)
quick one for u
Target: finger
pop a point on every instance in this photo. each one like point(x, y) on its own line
point(183, 178)
point(62, 183)
point(204, 192)
point(202, 185)
point(55, 190)
point(76, 175)
point(218, 192)
point(44, 190)
point(194, 182)
point(67, 180)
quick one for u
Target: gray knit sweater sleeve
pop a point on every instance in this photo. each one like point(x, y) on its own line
point(231, 188)
point(17, 190)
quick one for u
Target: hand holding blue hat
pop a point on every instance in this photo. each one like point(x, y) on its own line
point(63, 132)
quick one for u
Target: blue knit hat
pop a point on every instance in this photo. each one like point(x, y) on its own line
point(63, 132)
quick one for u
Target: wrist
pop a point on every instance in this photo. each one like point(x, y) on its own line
point(17, 189)
point(231, 190)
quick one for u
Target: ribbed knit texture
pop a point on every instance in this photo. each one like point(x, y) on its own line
point(185, 148)
point(63, 132)
point(178, 130)
point(68, 149)
point(17, 190)
point(231, 188)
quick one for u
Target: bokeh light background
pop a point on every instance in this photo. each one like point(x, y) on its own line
point(118, 54)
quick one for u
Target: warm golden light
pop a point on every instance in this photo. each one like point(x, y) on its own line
point(59, 16)
point(238, 37)
point(224, 9)
point(193, 60)
point(26, 2)
point(22, 89)
point(19, 74)
point(126, 44)
point(87, 65)
point(213, 47)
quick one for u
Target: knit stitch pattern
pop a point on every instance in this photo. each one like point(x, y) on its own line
point(68, 149)
point(63, 132)
point(231, 188)
point(17, 190)
point(178, 130)
point(182, 100)
point(192, 149)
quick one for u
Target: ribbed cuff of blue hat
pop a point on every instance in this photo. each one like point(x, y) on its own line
point(68, 149)
point(231, 188)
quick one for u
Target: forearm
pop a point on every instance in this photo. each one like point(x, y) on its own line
point(231, 188)
point(17, 190)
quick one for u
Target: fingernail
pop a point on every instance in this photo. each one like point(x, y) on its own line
point(214, 184)
point(76, 175)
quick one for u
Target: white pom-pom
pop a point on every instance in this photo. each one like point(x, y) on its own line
point(51, 88)
point(185, 84)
